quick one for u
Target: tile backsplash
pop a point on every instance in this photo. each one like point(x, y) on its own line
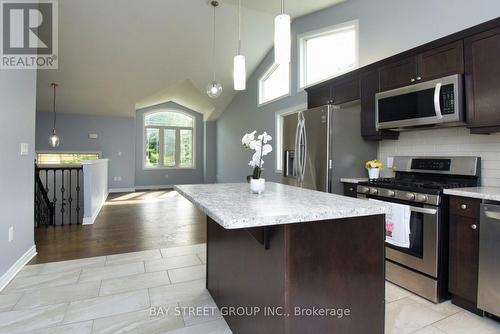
point(447, 142)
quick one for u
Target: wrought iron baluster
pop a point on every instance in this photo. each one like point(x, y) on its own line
point(54, 198)
point(62, 196)
point(78, 196)
point(70, 198)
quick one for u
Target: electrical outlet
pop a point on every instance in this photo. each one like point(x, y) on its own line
point(117, 178)
point(93, 136)
point(11, 233)
point(390, 162)
point(119, 153)
point(166, 176)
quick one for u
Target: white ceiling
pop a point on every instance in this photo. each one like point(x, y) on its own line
point(119, 55)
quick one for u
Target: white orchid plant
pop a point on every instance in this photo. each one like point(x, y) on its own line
point(261, 147)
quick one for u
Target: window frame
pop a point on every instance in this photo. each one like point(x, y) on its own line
point(302, 57)
point(37, 152)
point(161, 140)
point(266, 76)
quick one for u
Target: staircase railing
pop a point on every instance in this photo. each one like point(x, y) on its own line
point(44, 210)
point(64, 188)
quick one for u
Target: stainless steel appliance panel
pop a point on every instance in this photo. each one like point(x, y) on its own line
point(432, 102)
point(489, 260)
point(310, 146)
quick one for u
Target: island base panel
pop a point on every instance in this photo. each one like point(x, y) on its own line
point(324, 265)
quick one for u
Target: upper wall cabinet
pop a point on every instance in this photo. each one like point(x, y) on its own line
point(369, 87)
point(398, 74)
point(341, 90)
point(346, 90)
point(319, 96)
point(482, 80)
point(441, 62)
point(435, 63)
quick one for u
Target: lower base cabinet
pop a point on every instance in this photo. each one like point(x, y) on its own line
point(464, 252)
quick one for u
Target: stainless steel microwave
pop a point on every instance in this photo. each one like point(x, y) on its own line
point(435, 102)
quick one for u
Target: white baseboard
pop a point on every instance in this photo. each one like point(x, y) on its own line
point(121, 190)
point(91, 220)
point(154, 187)
point(16, 267)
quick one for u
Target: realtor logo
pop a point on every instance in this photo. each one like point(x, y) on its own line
point(29, 34)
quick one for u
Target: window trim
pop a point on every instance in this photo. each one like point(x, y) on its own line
point(160, 149)
point(301, 42)
point(265, 76)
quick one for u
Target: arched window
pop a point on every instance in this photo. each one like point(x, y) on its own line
point(168, 140)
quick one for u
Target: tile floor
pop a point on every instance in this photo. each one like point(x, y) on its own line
point(114, 294)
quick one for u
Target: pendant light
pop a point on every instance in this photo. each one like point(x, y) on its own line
point(282, 37)
point(214, 89)
point(54, 139)
point(239, 68)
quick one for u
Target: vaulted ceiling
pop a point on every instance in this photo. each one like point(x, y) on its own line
point(116, 56)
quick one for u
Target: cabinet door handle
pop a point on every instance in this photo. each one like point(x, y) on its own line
point(412, 80)
point(351, 189)
point(463, 206)
point(473, 226)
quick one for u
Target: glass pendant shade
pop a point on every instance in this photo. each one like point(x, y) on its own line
point(239, 72)
point(282, 39)
point(214, 89)
point(54, 139)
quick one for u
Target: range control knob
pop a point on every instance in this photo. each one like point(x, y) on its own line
point(410, 196)
point(373, 191)
point(422, 198)
point(391, 193)
point(363, 189)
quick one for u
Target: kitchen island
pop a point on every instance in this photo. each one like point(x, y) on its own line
point(293, 260)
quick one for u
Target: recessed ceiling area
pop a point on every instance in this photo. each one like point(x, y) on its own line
point(119, 55)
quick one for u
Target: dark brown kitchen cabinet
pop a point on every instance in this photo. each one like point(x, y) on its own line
point(350, 189)
point(369, 83)
point(398, 74)
point(441, 62)
point(346, 89)
point(464, 252)
point(482, 81)
point(319, 96)
point(432, 64)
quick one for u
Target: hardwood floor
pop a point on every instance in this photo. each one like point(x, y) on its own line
point(128, 222)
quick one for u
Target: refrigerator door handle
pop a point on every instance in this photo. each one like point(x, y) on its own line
point(296, 163)
point(304, 153)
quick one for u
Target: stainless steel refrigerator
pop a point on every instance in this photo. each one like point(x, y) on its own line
point(323, 145)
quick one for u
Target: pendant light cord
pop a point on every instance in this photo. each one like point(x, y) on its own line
point(282, 6)
point(239, 27)
point(54, 106)
point(213, 46)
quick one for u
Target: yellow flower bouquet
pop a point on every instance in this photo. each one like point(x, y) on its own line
point(373, 167)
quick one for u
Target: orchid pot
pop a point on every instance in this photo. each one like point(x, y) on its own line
point(261, 148)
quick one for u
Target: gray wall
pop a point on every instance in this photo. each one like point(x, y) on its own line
point(17, 119)
point(116, 141)
point(386, 27)
point(144, 178)
point(210, 152)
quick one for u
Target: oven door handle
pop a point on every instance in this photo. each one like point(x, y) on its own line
point(423, 210)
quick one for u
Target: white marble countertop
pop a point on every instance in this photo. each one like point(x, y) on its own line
point(350, 180)
point(233, 206)
point(487, 193)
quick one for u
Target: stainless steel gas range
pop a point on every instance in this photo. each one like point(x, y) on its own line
point(419, 182)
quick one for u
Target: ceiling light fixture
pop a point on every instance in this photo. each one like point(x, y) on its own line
point(239, 67)
point(214, 89)
point(282, 37)
point(54, 139)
